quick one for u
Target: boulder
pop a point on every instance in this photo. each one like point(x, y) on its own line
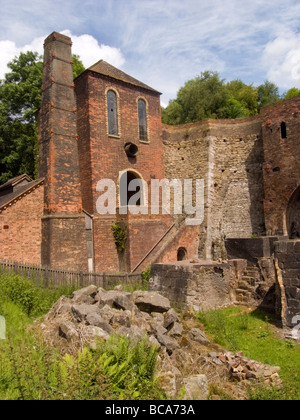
point(92, 332)
point(80, 312)
point(67, 330)
point(167, 342)
point(123, 302)
point(176, 330)
point(170, 318)
point(86, 295)
point(196, 388)
point(96, 320)
point(199, 336)
point(153, 302)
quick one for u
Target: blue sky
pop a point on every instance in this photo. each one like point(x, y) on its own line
point(164, 43)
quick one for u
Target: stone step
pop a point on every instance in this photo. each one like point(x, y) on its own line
point(244, 285)
point(243, 292)
point(250, 280)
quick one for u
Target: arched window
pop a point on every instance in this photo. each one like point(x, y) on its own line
point(283, 130)
point(112, 113)
point(181, 254)
point(142, 109)
point(131, 189)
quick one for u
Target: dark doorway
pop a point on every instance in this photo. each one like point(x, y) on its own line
point(293, 215)
point(181, 254)
point(131, 189)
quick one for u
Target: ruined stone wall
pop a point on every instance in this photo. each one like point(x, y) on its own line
point(228, 155)
point(236, 188)
point(281, 166)
point(193, 286)
point(287, 255)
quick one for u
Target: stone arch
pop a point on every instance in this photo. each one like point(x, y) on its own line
point(293, 215)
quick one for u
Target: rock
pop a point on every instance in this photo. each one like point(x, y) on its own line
point(107, 313)
point(62, 306)
point(133, 333)
point(122, 318)
point(96, 320)
point(92, 332)
point(167, 342)
point(86, 295)
point(68, 331)
point(176, 330)
point(157, 328)
point(123, 302)
point(170, 319)
point(80, 312)
point(196, 388)
point(199, 336)
point(152, 302)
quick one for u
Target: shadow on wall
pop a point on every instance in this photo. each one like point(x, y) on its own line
point(254, 169)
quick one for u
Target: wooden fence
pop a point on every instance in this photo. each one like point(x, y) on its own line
point(54, 278)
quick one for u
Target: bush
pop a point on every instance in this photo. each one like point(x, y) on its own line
point(33, 300)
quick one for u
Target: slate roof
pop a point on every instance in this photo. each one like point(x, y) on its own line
point(106, 69)
point(10, 191)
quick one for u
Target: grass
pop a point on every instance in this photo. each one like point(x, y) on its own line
point(31, 370)
point(236, 329)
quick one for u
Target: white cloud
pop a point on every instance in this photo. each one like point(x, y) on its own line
point(86, 46)
point(281, 59)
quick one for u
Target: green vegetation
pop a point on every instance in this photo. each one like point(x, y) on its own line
point(31, 370)
point(208, 96)
point(120, 236)
point(238, 330)
point(20, 101)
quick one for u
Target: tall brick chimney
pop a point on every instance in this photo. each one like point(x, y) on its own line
point(63, 226)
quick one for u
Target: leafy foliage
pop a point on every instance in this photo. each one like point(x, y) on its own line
point(20, 101)
point(208, 96)
point(120, 236)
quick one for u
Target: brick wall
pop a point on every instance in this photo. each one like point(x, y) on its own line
point(281, 166)
point(20, 228)
point(103, 156)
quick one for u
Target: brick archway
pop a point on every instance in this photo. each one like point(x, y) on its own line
point(293, 215)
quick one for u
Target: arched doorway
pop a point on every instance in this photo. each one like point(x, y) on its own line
point(182, 254)
point(131, 189)
point(293, 215)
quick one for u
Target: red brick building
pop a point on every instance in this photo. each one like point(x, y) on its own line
point(107, 125)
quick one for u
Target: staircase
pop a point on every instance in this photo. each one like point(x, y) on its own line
point(247, 286)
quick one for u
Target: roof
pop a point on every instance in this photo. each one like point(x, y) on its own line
point(14, 181)
point(106, 69)
point(16, 193)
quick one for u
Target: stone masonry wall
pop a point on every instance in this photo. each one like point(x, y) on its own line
point(228, 155)
point(287, 254)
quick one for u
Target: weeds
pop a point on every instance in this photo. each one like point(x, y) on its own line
point(31, 370)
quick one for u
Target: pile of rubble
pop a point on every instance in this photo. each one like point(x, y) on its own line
point(241, 368)
point(93, 313)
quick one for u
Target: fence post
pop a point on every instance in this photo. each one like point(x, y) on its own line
point(104, 280)
point(16, 267)
point(46, 277)
point(81, 279)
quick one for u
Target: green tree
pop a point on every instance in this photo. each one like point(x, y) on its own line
point(292, 93)
point(243, 99)
point(200, 98)
point(20, 101)
point(268, 93)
